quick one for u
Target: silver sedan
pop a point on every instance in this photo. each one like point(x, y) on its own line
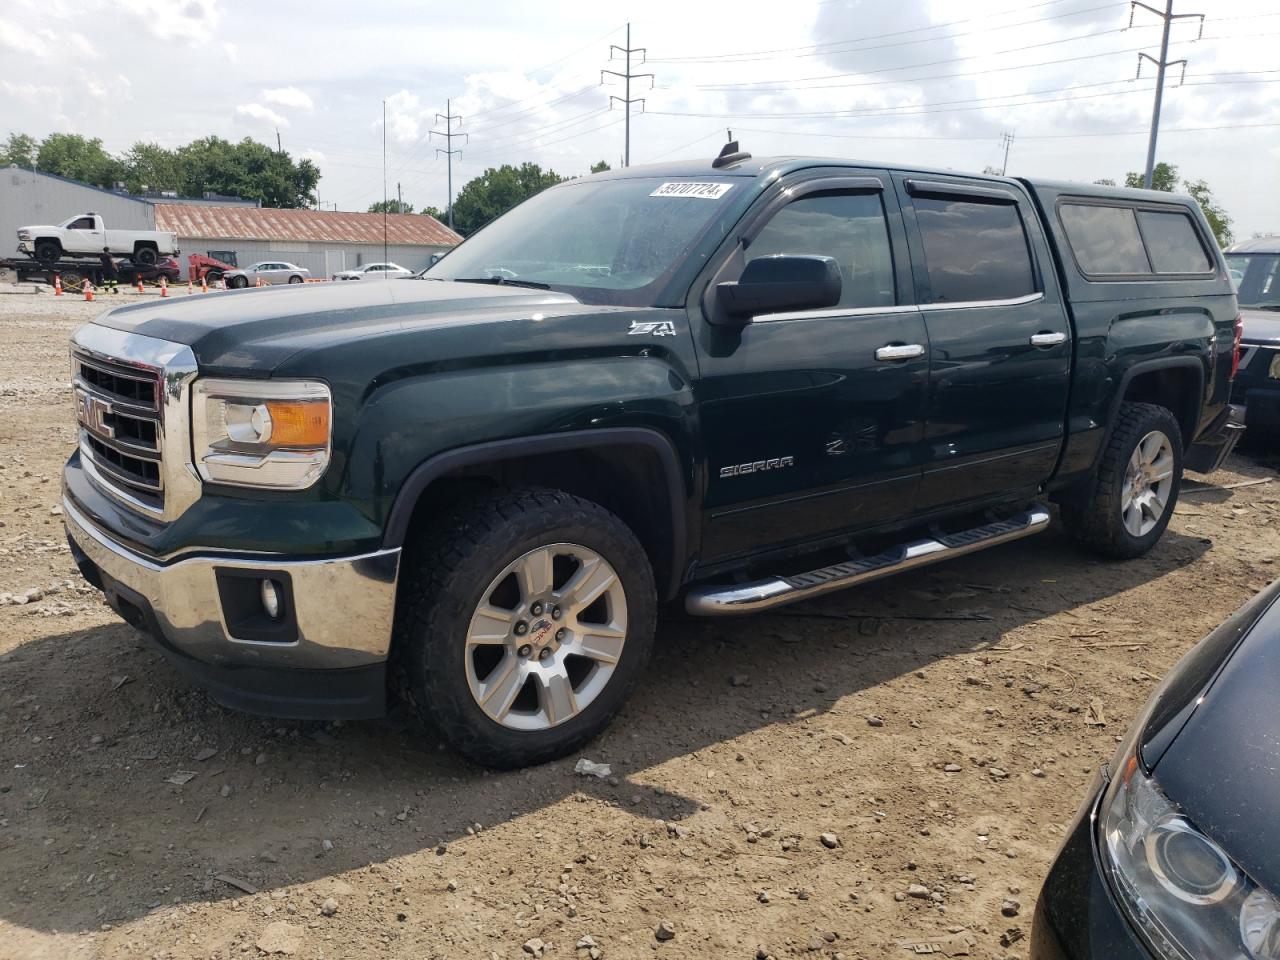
point(374, 271)
point(268, 271)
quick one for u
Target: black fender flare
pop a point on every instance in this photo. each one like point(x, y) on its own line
point(431, 469)
point(1148, 366)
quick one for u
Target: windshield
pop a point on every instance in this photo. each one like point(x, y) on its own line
point(605, 241)
point(1257, 278)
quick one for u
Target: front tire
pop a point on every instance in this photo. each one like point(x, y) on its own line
point(48, 251)
point(526, 618)
point(1136, 487)
point(295, 279)
point(239, 283)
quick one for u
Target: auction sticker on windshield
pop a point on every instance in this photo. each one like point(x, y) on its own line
point(702, 191)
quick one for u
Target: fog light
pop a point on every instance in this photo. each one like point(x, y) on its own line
point(272, 601)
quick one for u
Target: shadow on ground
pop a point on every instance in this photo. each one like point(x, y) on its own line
point(92, 832)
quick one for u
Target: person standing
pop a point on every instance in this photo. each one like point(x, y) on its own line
point(110, 272)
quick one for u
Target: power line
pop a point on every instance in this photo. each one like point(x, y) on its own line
point(1167, 18)
point(825, 49)
point(448, 117)
point(627, 77)
point(1042, 136)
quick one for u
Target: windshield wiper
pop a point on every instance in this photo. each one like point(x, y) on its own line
point(503, 281)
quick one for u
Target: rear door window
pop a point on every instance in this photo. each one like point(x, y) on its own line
point(1105, 240)
point(974, 250)
point(1173, 243)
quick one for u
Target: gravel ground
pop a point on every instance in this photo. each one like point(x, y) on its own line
point(847, 778)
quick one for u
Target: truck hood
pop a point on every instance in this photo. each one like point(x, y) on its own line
point(1261, 326)
point(41, 226)
point(1223, 766)
point(254, 331)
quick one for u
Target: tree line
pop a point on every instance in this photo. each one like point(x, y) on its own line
point(246, 169)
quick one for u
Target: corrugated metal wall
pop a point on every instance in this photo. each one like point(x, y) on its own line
point(28, 198)
point(322, 259)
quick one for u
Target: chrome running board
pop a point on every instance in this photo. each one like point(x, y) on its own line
point(719, 601)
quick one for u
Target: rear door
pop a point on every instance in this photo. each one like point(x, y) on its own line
point(812, 418)
point(999, 339)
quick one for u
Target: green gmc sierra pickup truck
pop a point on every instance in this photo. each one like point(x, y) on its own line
point(737, 383)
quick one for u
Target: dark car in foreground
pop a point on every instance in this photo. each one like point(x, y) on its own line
point(1254, 266)
point(1176, 854)
point(167, 267)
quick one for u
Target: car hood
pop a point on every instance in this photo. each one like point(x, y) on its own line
point(1222, 765)
point(254, 331)
point(41, 226)
point(1261, 326)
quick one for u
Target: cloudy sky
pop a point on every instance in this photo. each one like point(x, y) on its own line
point(911, 81)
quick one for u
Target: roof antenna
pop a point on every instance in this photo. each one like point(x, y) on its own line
point(730, 154)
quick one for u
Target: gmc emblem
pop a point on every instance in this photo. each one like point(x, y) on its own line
point(92, 412)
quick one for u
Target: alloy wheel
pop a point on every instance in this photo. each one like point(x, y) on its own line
point(546, 637)
point(1148, 482)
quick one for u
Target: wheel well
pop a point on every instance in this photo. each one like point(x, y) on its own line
point(1174, 388)
point(145, 245)
point(628, 480)
point(53, 240)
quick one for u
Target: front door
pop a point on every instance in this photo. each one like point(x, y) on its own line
point(999, 338)
point(812, 419)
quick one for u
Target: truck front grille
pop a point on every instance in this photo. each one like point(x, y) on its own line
point(121, 428)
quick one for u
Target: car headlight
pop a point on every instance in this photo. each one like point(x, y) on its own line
point(24, 234)
point(261, 433)
point(1186, 897)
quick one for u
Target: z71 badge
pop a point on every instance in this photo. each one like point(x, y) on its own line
point(758, 466)
point(656, 328)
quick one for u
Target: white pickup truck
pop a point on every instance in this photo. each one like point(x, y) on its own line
point(85, 235)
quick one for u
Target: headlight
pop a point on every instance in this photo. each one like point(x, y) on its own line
point(1187, 898)
point(261, 433)
point(24, 234)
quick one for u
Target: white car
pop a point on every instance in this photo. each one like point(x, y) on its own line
point(374, 271)
point(266, 272)
point(85, 235)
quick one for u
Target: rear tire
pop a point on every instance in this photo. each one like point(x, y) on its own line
point(524, 621)
point(1136, 487)
point(146, 256)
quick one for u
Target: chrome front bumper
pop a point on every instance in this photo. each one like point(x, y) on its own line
point(343, 607)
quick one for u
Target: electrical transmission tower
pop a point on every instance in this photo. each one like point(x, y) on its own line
point(449, 117)
point(1006, 139)
point(1168, 16)
point(627, 77)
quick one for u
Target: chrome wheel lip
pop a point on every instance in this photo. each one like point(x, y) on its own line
point(538, 645)
point(1148, 484)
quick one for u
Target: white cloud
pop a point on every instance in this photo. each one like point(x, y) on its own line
point(407, 119)
point(33, 41)
point(232, 51)
point(195, 21)
point(315, 156)
point(288, 97)
point(257, 111)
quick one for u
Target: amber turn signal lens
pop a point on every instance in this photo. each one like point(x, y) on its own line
point(299, 424)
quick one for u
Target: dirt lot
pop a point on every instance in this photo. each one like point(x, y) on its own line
point(943, 725)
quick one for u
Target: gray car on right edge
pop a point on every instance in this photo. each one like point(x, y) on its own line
point(1254, 266)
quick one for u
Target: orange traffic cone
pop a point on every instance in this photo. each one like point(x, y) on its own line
point(190, 288)
point(164, 287)
point(57, 284)
point(222, 283)
point(140, 290)
point(88, 291)
point(204, 284)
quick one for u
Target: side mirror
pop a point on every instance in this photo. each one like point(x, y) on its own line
point(778, 283)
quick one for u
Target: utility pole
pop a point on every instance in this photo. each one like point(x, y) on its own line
point(627, 77)
point(1006, 138)
point(279, 149)
point(384, 181)
point(1168, 16)
point(399, 199)
point(449, 117)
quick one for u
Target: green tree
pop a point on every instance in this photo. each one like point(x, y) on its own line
point(77, 157)
point(434, 212)
point(1164, 176)
point(149, 166)
point(496, 191)
point(391, 206)
point(601, 166)
point(20, 149)
point(246, 169)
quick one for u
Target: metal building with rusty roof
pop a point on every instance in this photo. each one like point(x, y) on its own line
point(322, 241)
